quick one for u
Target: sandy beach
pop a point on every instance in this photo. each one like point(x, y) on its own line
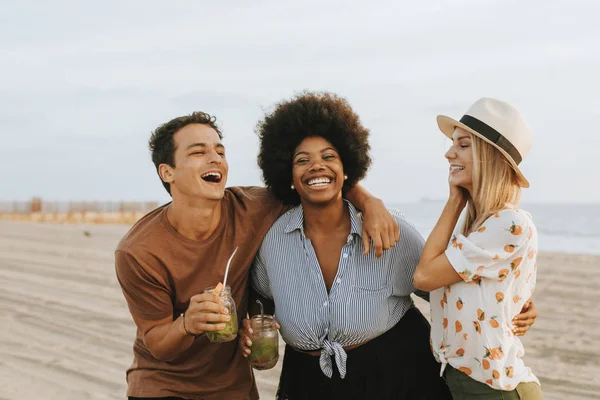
point(66, 333)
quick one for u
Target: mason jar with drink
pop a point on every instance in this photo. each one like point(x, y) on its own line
point(231, 327)
point(265, 342)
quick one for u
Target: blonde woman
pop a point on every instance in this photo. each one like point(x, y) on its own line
point(480, 272)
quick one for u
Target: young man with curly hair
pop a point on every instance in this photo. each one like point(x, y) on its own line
point(172, 254)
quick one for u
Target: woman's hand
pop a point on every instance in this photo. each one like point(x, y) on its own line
point(244, 341)
point(458, 194)
point(524, 321)
point(380, 226)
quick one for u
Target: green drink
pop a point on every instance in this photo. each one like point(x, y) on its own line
point(231, 327)
point(265, 342)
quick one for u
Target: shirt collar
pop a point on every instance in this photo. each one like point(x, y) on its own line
point(296, 220)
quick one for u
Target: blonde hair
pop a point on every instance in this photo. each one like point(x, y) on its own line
point(495, 185)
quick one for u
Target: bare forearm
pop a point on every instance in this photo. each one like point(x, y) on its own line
point(440, 235)
point(359, 196)
point(168, 341)
point(434, 269)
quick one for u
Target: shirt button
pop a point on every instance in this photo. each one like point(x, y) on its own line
point(325, 304)
point(338, 280)
point(345, 255)
point(349, 237)
point(326, 330)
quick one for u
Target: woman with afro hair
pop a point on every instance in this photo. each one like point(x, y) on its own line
point(350, 325)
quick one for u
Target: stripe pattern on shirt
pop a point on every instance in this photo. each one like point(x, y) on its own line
point(367, 298)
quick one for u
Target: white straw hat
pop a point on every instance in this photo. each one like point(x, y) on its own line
point(499, 124)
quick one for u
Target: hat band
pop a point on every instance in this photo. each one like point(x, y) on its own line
point(493, 136)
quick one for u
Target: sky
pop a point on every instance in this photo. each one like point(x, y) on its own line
point(83, 84)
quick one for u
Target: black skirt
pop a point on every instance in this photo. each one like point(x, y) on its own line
point(397, 365)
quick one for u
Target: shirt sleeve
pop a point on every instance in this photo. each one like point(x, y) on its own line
point(147, 296)
point(408, 253)
point(259, 279)
point(485, 252)
point(258, 202)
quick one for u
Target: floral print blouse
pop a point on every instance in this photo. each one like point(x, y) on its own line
point(472, 320)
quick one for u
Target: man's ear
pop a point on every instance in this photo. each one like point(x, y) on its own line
point(166, 173)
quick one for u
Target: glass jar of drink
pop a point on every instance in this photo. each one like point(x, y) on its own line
point(231, 327)
point(265, 342)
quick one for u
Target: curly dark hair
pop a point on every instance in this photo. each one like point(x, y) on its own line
point(310, 114)
point(161, 142)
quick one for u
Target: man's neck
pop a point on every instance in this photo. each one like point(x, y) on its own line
point(326, 218)
point(195, 220)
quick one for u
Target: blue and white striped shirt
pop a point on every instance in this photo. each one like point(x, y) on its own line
point(368, 296)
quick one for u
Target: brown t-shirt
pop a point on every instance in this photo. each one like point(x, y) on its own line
point(159, 270)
